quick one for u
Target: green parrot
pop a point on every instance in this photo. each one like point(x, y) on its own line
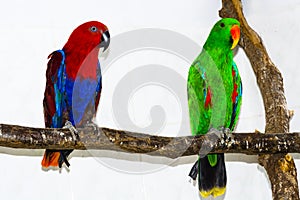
point(214, 99)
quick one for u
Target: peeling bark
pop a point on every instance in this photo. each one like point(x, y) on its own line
point(172, 147)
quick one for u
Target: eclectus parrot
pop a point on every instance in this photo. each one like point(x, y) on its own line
point(214, 99)
point(73, 84)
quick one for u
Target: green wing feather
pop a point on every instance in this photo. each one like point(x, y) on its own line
point(197, 87)
point(199, 101)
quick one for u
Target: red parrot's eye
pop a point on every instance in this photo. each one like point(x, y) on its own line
point(94, 29)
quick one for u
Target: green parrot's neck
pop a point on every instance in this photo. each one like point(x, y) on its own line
point(220, 54)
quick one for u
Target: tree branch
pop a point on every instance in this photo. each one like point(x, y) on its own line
point(172, 147)
point(280, 167)
point(272, 148)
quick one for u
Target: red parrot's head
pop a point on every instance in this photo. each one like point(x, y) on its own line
point(89, 36)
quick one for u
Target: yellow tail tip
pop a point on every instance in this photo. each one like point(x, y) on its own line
point(215, 192)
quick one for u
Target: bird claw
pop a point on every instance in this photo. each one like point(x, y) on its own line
point(226, 131)
point(227, 137)
point(72, 129)
point(94, 126)
point(213, 136)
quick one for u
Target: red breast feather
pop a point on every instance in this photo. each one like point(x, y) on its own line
point(82, 50)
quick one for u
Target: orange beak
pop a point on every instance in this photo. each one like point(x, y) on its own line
point(235, 34)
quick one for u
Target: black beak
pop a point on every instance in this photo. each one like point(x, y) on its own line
point(105, 39)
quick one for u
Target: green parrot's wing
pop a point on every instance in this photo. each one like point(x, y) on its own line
point(236, 96)
point(199, 99)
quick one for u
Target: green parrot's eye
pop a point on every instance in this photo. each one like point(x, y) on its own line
point(222, 25)
point(94, 29)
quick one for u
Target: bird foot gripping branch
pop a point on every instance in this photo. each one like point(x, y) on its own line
point(213, 137)
point(94, 126)
point(72, 129)
point(227, 139)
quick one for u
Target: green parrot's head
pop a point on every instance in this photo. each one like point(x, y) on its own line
point(224, 34)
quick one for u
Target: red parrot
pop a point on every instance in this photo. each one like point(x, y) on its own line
point(73, 84)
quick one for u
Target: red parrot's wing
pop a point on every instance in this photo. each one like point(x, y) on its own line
point(53, 96)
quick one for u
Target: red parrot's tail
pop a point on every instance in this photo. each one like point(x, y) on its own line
point(54, 158)
point(50, 159)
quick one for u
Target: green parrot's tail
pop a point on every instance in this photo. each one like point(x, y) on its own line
point(212, 179)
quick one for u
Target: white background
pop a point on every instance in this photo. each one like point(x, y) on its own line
point(30, 30)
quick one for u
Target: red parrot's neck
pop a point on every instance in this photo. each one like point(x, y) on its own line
point(82, 64)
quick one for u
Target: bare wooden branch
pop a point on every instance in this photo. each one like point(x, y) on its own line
point(172, 147)
point(272, 146)
point(281, 167)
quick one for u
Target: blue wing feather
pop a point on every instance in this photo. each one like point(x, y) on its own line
point(238, 99)
point(66, 99)
point(59, 88)
point(54, 104)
